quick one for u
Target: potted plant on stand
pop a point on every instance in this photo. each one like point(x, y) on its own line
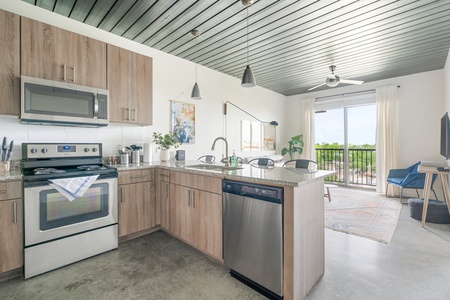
point(164, 143)
point(295, 146)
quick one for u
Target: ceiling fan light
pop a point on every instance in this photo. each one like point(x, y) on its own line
point(332, 82)
point(248, 79)
point(196, 93)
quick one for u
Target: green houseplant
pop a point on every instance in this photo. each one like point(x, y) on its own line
point(295, 146)
point(164, 143)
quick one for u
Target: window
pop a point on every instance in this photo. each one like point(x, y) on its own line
point(256, 136)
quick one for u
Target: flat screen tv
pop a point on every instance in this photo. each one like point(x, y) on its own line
point(445, 136)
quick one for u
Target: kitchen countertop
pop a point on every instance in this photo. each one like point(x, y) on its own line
point(274, 175)
point(11, 175)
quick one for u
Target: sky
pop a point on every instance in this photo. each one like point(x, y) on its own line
point(361, 126)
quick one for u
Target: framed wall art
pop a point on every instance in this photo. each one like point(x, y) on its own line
point(183, 121)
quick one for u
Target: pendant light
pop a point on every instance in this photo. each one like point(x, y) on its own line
point(248, 79)
point(196, 93)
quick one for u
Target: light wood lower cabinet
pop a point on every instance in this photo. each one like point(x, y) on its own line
point(137, 201)
point(11, 226)
point(162, 199)
point(196, 215)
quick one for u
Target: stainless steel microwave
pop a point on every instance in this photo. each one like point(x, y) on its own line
point(48, 102)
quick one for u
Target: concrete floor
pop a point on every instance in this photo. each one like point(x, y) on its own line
point(415, 265)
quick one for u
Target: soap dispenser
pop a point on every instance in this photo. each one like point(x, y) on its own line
point(234, 159)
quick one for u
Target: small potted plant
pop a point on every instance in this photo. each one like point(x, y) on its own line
point(164, 143)
point(295, 146)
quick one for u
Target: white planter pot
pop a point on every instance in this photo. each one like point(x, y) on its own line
point(164, 155)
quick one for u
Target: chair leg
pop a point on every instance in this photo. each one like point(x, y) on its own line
point(435, 195)
point(401, 195)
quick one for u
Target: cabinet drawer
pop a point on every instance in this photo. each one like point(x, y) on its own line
point(127, 177)
point(200, 182)
point(10, 190)
point(164, 175)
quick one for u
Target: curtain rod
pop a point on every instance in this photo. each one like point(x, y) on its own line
point(360, 92)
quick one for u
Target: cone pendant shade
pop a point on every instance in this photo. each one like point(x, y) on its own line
point(248, 79)
point(196, 93)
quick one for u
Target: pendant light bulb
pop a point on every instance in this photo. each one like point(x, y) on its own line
point(196, 93)
point(248, 79)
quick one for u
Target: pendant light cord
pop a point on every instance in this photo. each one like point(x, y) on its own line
point(247, 36)
point(196, 59)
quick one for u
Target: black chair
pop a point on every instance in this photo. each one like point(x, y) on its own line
point(302, 164)
point(262, 162)
point(239, 160)
point(209, 159)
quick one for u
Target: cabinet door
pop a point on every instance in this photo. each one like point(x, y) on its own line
point(141, 89)
point(178, 209)
point(53, 53)
point(11, 235)
point(208, 218)
point(90, 61)
point(9, 63)
point(119, 83)
point(45, 50)
point(136, 207)
point(164, 204)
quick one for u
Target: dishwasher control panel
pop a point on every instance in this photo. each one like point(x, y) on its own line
point(263, 192)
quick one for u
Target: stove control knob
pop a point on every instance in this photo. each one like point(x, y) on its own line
point(86, 149)
point(33, 150)
point(94, 149)
point(44, 150)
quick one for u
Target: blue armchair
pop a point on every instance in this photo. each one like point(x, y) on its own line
point(408, 178)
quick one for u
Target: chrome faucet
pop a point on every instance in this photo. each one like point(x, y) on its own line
point(226, 148)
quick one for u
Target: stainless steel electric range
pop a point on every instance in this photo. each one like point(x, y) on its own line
point(60, 230)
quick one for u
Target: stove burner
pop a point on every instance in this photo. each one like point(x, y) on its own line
point(91, 167)
point(42, 171)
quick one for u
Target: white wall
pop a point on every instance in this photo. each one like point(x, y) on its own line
point(173, 79)
point(421, 105)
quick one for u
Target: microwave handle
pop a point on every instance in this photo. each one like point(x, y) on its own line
point(95, 105)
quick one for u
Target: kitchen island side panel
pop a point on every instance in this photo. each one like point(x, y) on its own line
point(304, 238)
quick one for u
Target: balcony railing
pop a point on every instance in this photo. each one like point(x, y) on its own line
point(361, 165)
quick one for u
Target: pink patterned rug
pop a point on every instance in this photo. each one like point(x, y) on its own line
point(362, 213)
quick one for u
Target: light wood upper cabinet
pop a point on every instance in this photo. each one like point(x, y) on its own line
point(9, 63)
point(130, 85)
point(11, 228)
point(137, 207)
point(56, 54)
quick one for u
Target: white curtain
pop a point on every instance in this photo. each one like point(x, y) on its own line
point(307, 128)
point(387, 133)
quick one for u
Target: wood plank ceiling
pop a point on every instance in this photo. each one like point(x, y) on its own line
point(291, 42)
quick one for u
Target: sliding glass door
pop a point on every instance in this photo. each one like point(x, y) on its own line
point(345, 139)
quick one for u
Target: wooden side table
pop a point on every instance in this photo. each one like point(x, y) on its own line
point(443, 175)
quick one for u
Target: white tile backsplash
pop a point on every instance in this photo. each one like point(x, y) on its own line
point(112, 136)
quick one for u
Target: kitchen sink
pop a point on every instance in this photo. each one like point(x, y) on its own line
point(210, 167)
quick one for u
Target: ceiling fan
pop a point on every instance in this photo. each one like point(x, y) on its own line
point(333, 80)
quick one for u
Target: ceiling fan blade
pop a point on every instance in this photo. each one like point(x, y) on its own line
point(351, 81)
point(316, 87)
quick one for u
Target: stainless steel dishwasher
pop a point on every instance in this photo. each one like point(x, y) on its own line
point(253, 235)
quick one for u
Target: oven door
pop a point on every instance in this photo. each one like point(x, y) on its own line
point(49, 215)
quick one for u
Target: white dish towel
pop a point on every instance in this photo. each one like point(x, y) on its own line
point(73, 188)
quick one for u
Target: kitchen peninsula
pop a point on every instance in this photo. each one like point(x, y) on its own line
point(303, 213)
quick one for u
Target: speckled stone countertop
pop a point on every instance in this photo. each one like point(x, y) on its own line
point(274, 175)
point(13, 174)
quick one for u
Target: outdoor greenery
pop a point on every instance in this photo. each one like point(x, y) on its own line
point(166, 141)
point(359, 159)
